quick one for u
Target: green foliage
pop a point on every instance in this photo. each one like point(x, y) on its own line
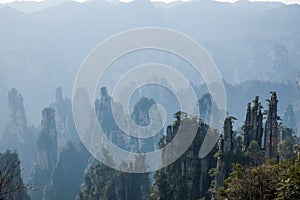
point(287, 148)
point(232, 118)
point(270, 180)
point(217, 154)
point(213, 172)
point(255, 153)
point(96, 179)
point(289, 185)
point(180, 115)
point(104, 183)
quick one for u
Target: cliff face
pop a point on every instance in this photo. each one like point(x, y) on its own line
point(280, 60)
point(17, 126)
point(105, 119)
point(289, 118)
point(220, 169)
point(226, 145)
point(141, 117)
point(253, 129)
point(66, 131)
point(102, 182)
point(272, 128)
point(17, 135)
point(67, 175)
point(187, 177)
point(47, 140)
point(228, 136)
point(46, 154)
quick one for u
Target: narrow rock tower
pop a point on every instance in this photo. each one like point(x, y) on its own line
point(47, 141)
point(253, 127)
point(272, 128)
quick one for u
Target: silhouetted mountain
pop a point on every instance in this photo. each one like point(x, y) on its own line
point(45, 48)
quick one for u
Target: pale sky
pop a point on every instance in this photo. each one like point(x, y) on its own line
point(168, 1)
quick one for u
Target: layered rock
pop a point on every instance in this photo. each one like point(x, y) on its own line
point(253, 127)
point(17, 135)
point(66, 131)
point(139, 116)
point(102, 182)
point(47, 140)
point(67, 175)
point(209, 111)
point(17, 127)
point(280, 61)
point(105, 117)
point(187, 177)
point(228, 135)
point(95, 179)
point(271, 128)
point(205, 107)
point(220, 169)
point(225, 152)
point(46, 154)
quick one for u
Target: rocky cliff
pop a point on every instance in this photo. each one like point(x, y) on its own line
point(17, 134)
point(272, 128)
point(66, 131)
point(46, 154)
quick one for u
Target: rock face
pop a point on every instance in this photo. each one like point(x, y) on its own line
point(225, 152)
point(17, 135)
point(253, 130)
point(253, 127)
point(209, 108)
point(141, 117)
point(66, 131)
point(104, 112)
point(94, 181)
point(205, 107)
point(46, 154)
point(289, 118)
point(272, 129)
point(187, 177)
point(67, 175)
point(280, 61)
point(17, 126)
point(102, 182)
point(228, 136)
point(105, 119)
point(47, 141)
point(220, 169)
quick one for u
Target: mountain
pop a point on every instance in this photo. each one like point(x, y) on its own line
point(42, 50)
point(32, 6)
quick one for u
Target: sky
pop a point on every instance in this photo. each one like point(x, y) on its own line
point(168, 1)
